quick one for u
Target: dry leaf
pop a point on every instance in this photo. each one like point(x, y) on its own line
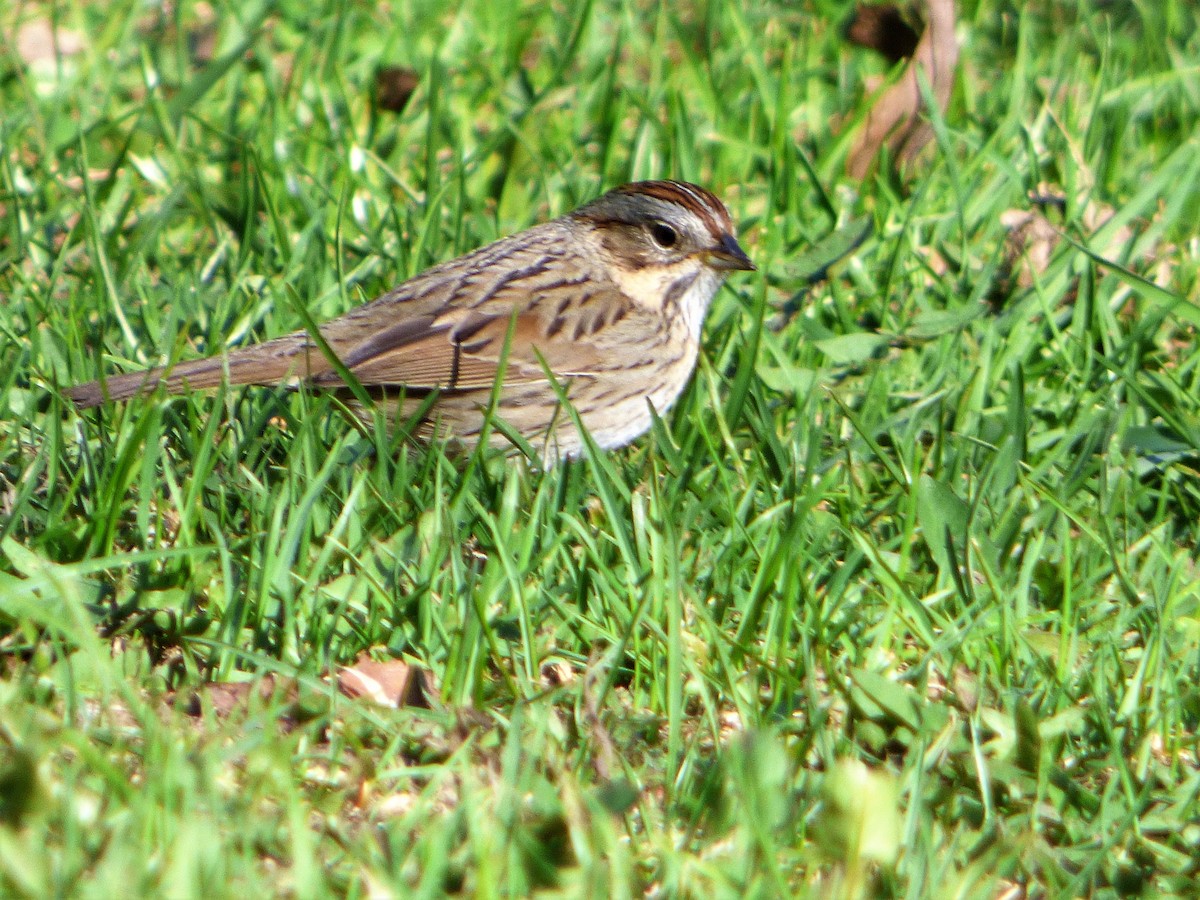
point(393, 683)
point(38, 42)
point(202, 42)
point(202, 33)
point(1030, 242)
point(895, 120)
point(228, 697)
point(394, 85)
point(966, 688)
point(606, 758)
point(1032, 237)
point(556, 674)
point(882, 28)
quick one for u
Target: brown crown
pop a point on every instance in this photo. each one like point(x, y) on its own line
point(691, 197)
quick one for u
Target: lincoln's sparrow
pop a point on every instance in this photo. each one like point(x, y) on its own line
point(609, 298)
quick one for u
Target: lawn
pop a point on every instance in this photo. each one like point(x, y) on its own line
point(901, 599)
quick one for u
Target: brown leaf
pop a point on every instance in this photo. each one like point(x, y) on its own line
point(38, 41)
point(227, 697)
point(895, 121)
point(1029, 243)
point(557, 674)
point(882, 28)
point(1032, 237)
point(394, 85)
point(279, 698)
point(966, 688)
point(606, 759)
point(393, 683)
point(202, 36)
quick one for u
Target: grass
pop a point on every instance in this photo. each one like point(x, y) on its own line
point(902, 599)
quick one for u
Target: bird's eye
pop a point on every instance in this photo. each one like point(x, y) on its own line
point(664, 235)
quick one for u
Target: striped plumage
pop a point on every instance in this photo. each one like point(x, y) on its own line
point(611, 297)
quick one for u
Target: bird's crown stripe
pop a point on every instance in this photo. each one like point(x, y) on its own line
point(691, 197)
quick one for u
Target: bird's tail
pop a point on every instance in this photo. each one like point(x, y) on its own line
point(273, 362)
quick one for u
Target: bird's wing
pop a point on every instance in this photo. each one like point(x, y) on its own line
point(455, 326)
point(463, 351)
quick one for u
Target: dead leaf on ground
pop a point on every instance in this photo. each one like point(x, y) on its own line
point(394, 86)
point(1029, 244)
point(556, 674)
point(896, 120)
point(229, 698)
point(965, 685)
point(883, 28)
point(202, 33)
point(39, 43)
point(393, 683)
point(606, 757)
point(1032, 238)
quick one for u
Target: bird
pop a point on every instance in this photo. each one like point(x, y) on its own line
point(608, 299)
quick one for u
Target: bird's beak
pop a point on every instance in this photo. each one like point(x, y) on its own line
point(728, 254)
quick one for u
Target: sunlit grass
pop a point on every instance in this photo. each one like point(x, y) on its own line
point(941, 522)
